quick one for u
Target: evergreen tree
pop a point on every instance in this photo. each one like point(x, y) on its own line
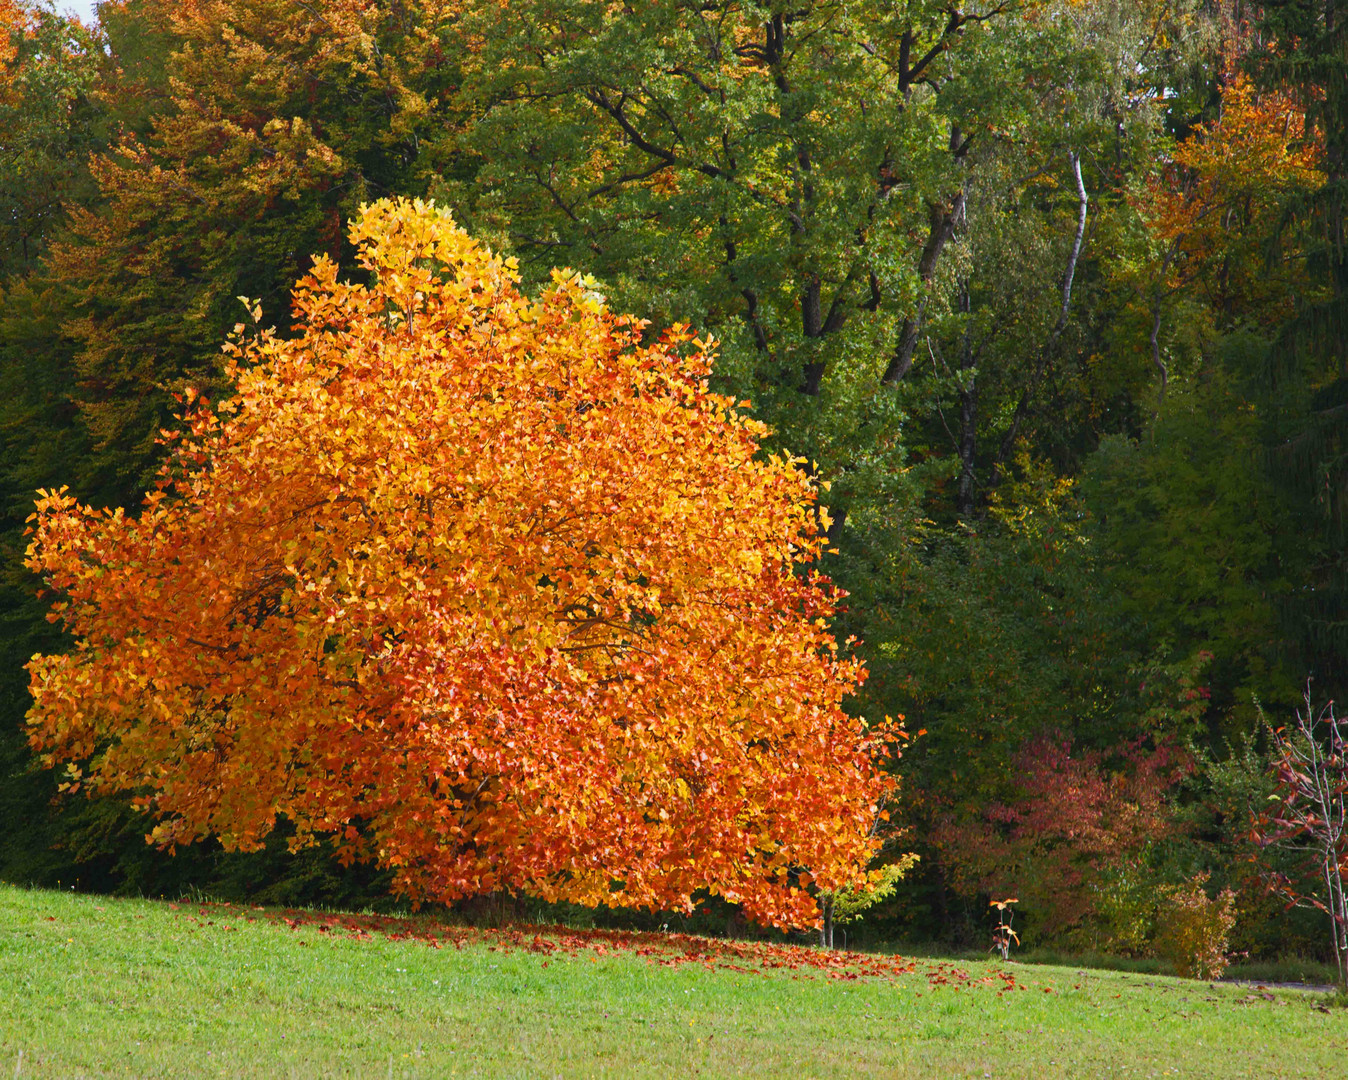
point(1307, 54)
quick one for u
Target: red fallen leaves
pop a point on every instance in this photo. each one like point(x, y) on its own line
point(665, 949)
point(944, 974)
point(491, 590)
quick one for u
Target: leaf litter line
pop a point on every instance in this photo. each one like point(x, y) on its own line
point(665, 949)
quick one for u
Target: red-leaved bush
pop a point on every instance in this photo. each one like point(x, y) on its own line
point(1072, 815)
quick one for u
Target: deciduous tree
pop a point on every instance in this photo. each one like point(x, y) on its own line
point(1308, 814)
point(247, 134)
point(48, 126)
point(481, 586)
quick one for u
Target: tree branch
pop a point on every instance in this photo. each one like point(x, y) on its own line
point(1050, 347)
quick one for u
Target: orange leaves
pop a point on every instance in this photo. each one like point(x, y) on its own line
point(481, 585)
point(1260, 137)
point(1254, 153)
point(15, 22)
point(750, 958)
point(1227, 184)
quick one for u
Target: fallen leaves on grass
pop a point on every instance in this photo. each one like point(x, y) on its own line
point(665, 949)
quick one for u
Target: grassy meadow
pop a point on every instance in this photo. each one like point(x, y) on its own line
point(91, 986)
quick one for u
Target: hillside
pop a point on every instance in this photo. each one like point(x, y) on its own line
point(107, 987)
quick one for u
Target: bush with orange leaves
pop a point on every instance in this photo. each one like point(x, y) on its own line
point(483, 588)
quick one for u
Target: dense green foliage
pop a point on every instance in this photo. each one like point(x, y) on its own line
point(1050, 294)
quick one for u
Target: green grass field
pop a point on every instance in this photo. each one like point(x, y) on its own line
point(101, 987)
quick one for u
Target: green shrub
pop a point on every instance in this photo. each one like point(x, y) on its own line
point(1192, 928)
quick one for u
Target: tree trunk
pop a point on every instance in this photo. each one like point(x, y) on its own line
point(944, 217)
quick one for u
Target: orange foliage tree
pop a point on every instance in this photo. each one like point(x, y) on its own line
point(1215, 209)
point(482, 587)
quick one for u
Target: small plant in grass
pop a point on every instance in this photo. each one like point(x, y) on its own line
point(847, 905)
point(1002, 934)
point(1192, 928)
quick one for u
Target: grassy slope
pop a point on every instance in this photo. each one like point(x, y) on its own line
point(92, 986)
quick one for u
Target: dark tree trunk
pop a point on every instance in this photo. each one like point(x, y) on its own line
point(944, 217)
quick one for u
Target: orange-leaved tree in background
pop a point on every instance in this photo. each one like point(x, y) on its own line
point(482, 587)
point(1216, 208)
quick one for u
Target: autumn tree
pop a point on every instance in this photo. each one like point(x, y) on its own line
point(247, 134)
point(1308, 815)
point(1203, 534)
point(1215, 206)
point(481, 586)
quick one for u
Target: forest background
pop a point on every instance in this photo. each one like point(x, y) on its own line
point(1051, 294)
